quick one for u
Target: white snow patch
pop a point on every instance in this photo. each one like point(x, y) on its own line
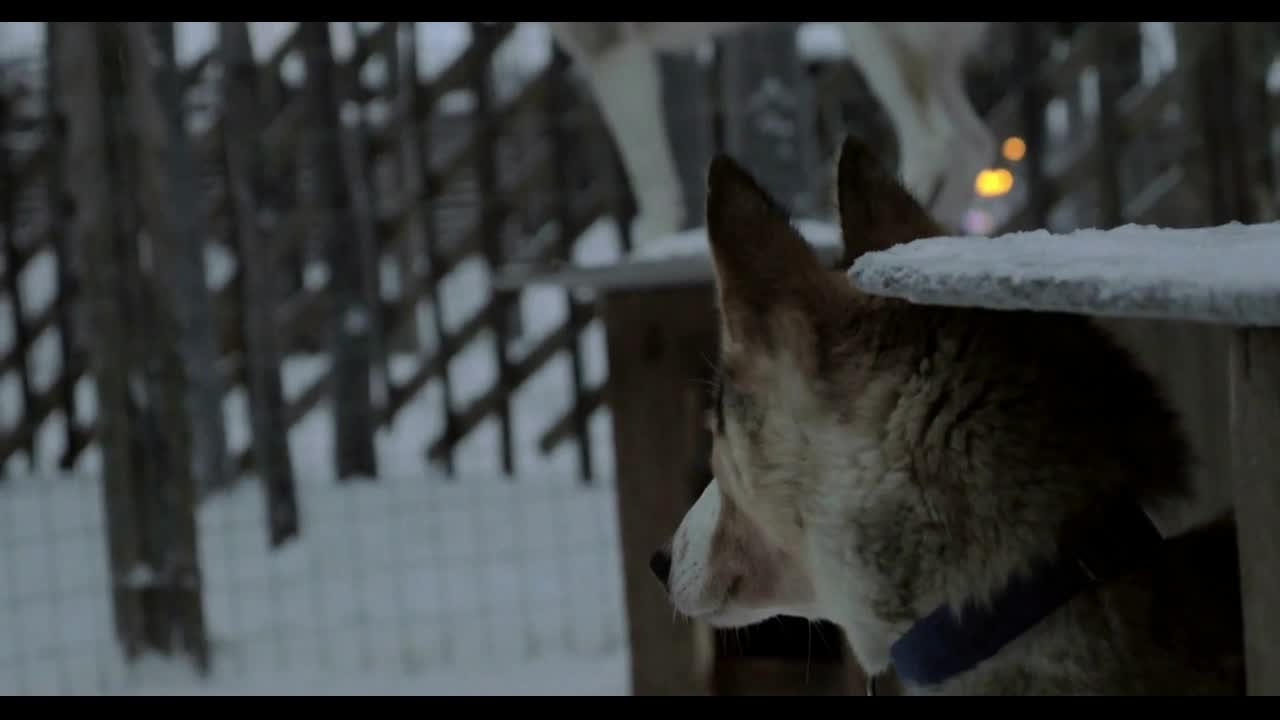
point(11, 409)
point(1218, 274)
point(44, 359)
point(140, 576)
point(457, 102)
point(219, 265)
point(38, 283)
point(20, 39)
point(355, 321)
point(821, 41)
point(315, 276)
point(438, 45)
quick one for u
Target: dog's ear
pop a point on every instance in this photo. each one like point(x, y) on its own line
point(876, 211)
point(765, 270)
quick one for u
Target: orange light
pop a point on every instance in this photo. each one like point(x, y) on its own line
point(1014, 149)
point(993, 183)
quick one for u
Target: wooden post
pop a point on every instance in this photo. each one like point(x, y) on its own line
point(1255, 453)
point(176, 224)
point(259, 283)
point(487, 181)
point(95, 183)
point(1251, 55)
point(557, 107)
point(159, 386)
point(768, 111)
point(364, 208)
point(349, 312)
point(417, 128)
point(1112, 78)
point(142, 422)
point(59, 210)
point(659, 344)
point(12, 267)
point(1027, 37)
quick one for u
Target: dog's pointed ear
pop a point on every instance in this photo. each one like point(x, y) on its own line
point(763, 265)
point(876, 211)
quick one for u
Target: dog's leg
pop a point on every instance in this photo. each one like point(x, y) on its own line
point(898, 79)
point(627, 86)
point(972, 148)
point(975, 146)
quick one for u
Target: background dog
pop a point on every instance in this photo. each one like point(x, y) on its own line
point(915, 69)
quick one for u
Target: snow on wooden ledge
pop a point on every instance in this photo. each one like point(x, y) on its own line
point(682, 259)
point(1228, 274)
point(693, 242)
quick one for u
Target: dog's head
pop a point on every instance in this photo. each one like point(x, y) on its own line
point(746, 550)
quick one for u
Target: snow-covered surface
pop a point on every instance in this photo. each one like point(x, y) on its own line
point(392, 583)
point(544, 676)
point(1228, 274)
point(682, 259)
point(413, 584)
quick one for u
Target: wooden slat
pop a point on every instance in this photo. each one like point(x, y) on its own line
point(35, 328)
point(480, 408)
point(401, 393)
point(659, 340)
point(42, 403)
point(564, 427)
point(1255, 461)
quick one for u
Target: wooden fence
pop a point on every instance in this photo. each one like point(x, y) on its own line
point(430, 187)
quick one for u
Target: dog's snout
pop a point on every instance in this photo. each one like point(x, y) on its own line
point(660, 564)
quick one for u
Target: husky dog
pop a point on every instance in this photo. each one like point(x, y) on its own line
point(963, 491)
point(915, 69)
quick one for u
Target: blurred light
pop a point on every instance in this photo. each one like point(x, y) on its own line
point(1014, 149)
point(993, 183)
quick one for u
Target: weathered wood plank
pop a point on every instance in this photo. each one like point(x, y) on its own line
point(22, 335)
point(64, 252)
point(1255, 454)
point(485, 139)
point(566, 426)
point(258, 287)
point(349, 314)
point(557, 102)
point(658, 344)
point(418, 140)
point(92, 174)
point(159, 376)
point(480, 408)
point(170, 198)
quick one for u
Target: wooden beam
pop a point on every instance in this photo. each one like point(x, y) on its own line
point(658, 345)
point(1255, 461)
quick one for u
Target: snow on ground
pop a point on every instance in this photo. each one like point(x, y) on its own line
point(558, 676)
point(415, 583)
point(407, 576)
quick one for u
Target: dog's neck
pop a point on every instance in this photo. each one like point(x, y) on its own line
point(953, 640)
